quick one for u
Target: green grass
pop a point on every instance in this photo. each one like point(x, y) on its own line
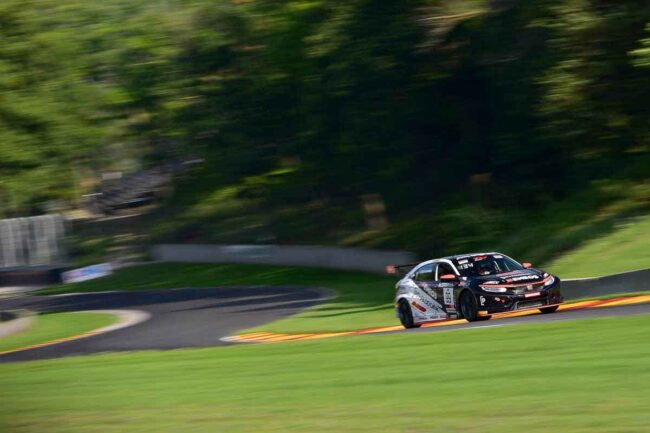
point(364, 300)
point(586, 376)
point(54, 326)
point(627, 248)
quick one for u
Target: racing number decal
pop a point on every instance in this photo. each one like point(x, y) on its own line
point(448, 293)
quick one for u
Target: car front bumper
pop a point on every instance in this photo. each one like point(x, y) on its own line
point(490, 303)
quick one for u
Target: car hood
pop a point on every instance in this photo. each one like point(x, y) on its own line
point(524, 276)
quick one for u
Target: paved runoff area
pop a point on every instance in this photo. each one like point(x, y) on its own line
point(181, 318)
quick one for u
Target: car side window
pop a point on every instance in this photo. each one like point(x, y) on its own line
point(444, 268)
point(425, 273)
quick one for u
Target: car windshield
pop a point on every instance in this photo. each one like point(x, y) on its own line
point(486, 264)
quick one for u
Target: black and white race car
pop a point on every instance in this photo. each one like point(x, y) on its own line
point(473, 287)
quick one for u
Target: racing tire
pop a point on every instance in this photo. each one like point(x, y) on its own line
point(469, 308)
point(406, 315)
point(549, 310)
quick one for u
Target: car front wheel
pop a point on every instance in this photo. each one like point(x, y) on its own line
point(406, 315)
point(469, 309)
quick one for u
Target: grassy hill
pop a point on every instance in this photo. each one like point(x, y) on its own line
point(626, 248)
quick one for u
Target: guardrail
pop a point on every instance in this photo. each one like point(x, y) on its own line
point(353, 259)
point(626, 282)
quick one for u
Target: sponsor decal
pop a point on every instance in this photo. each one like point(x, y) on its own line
point(498, 257)
point(503, 274)
point(522, 278)
point(482, 299)
point(430, 293)
point(418, 306)
point(430, 303)
point(532, 295)
point(462, 262)
point(87, 273)
point(479, 258)
point(448, 293)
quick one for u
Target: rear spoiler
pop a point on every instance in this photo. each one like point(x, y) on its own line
point(399, 269)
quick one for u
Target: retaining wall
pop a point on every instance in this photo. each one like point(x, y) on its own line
point(354, 259)
point(359, 259)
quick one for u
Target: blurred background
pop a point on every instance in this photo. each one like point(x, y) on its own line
point(345, 134)
point(431, 126)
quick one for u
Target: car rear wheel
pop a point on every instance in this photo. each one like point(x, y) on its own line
point(549, 310)
point(406, 315)
point(468, 307)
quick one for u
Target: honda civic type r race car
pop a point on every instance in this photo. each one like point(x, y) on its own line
point(473, 287)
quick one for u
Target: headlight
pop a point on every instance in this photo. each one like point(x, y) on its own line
point(494, 289)
point(550, 281)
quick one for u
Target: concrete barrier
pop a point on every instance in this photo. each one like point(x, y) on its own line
point(626, 282)
point(353, 259)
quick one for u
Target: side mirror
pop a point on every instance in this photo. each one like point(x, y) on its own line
point(527, 265)
point(448, 277)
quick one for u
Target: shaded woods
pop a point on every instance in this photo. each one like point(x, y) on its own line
point(328, 108)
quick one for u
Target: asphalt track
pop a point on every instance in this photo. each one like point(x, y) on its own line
point(181, 318)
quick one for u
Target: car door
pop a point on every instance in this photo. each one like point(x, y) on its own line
point(445, 289)
point(425, 280)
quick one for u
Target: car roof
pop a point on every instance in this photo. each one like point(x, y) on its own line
point(450, 259)
point(455, 257)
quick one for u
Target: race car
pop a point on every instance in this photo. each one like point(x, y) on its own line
point(473, 287)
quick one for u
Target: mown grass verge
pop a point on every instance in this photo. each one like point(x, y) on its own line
point(48, 327)
point(578, 377)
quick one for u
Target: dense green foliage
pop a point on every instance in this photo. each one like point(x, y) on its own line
point(305, 111)
point(564, 377)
